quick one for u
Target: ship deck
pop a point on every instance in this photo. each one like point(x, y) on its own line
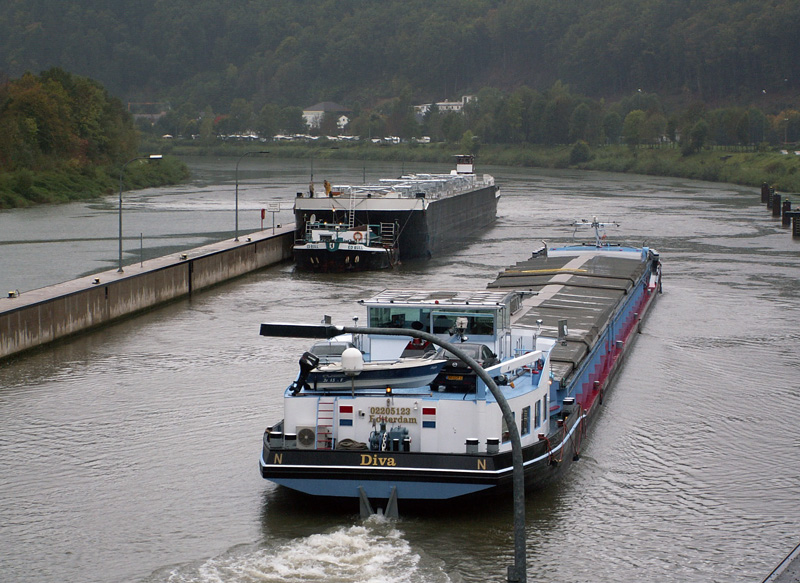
point(584, 288)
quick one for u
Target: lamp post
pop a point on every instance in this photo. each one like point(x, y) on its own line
point(121, 172)
point(517, 573)
point(236, 237)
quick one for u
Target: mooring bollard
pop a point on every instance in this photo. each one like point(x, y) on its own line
point(787, 208)
point(764, 192)
point(770, 197)
point(795, 216)
point(776, 205)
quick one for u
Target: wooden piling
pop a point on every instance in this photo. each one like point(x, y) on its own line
point(787, 208)
point(776, 205)
point(795, 217)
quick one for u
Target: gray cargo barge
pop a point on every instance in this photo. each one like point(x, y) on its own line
point(430, 211)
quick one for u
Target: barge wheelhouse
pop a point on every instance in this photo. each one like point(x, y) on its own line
point(340, 247)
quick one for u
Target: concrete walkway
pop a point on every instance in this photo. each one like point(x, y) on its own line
point(46, 314)
point(788, 571)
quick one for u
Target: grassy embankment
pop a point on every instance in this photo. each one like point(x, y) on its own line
point(23, 188)
point(750, 168)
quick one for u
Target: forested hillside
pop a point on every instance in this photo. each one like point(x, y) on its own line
point(357, 52)
point(63, 137)
point(56, 118)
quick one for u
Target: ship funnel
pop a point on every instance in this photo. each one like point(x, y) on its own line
point(465, 164)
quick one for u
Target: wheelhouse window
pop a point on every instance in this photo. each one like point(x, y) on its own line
point(526, 421)
point(428, 320)
point(414, 318)
point(545, 410)
point(505, 433)
point(538, 413)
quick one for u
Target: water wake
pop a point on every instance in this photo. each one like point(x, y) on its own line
point(373, 551)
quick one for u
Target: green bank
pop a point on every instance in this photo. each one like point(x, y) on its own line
point(24, 188)
point(748, 167)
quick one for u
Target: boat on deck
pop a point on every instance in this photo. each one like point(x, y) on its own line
point(340, 247)
point(397, 373)
point(431, 211)
point(559, 324)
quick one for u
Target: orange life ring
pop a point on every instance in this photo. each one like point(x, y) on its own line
point(357, 236)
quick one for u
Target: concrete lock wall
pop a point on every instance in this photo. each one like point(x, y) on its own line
point(41, 316)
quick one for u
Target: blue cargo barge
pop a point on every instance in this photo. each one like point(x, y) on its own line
point(554, 330)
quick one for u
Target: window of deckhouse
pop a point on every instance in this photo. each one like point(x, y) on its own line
point(526, 420)
point(545, 410)
point(505, 433)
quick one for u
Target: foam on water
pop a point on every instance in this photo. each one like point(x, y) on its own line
point(370, 552)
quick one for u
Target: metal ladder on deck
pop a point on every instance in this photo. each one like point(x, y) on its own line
point(387, 235)
point(326, 406)
point(351, 218)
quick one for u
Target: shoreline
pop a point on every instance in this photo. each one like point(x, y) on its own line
point(740, 166)
point(744, 166)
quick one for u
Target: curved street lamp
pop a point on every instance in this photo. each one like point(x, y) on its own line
point(121, 172)
point(236, 237)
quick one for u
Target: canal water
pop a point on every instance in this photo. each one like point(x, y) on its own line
point(131, 454)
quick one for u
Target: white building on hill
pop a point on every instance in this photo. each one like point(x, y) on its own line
point(444, 106)
point(314, 114)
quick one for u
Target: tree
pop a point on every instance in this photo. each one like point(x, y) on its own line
point(757, 125)
point(654, 128)
point(268, 121)
point(556, 115)
point(432, 123)
point(240, 115)
point(400, 121)
point(329, 124)
point(452, 126)
point(580, 152)
point(370, 124)
point(57, 118)
point(292, 120)
point(612, 127)
point(469, 143)
point(207, 133)
point(633, 127)
point(579, 123)
point(697, 138)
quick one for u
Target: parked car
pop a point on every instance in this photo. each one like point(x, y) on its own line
point(456, 375)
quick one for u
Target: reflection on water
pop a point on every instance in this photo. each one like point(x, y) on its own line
point(130, 454)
